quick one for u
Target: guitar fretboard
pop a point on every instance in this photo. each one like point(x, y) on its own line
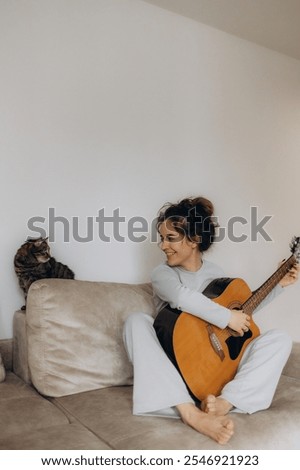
point(260, 294)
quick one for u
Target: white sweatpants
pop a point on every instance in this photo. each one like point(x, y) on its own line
point(158, 386)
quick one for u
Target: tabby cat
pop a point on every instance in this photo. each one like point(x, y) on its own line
point(33, 261)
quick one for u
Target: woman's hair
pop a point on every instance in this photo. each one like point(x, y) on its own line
point(193, 218)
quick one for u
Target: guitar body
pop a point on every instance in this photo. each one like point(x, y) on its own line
point(206, 365)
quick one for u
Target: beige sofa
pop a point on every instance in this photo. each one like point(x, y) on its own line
point(70, 386)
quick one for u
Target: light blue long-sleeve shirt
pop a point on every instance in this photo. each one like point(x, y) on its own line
point(183, 289)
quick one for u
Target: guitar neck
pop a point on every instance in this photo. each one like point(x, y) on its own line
point(260, 294)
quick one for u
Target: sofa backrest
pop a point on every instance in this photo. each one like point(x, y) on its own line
point(74, 332)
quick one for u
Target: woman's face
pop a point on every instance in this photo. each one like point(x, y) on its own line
point(179, 250)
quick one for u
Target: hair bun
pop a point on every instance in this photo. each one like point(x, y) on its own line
point(203, 205)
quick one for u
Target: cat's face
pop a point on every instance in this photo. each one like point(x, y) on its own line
point(40, 250)
point(33, 252)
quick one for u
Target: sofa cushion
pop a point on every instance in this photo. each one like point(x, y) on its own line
point(74, 331)
point(59, 437)
point(29, 421)
point(23, 410)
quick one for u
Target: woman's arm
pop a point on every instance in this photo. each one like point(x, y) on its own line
point(168, 287)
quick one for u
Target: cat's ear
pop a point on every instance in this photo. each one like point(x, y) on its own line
point(33, 240)
point(36, 241)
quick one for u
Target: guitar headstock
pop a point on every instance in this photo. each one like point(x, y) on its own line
point(295, 248)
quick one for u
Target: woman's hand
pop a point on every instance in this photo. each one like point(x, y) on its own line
point(239, 322)
point(291, 277)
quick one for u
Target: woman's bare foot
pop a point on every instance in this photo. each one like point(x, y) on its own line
point(219, 428)
point(216, 406)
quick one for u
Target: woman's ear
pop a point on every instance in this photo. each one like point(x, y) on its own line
point(197, 239)
point(194, 242)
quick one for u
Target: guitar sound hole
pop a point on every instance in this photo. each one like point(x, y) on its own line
point(235, 344)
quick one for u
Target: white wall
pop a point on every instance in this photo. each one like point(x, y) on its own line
point(119, 104)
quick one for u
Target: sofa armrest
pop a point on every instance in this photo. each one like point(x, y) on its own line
point(292, 367)
point(20, 348)
point(6, 352)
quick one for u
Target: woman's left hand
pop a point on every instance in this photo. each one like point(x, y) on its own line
point(291, 277)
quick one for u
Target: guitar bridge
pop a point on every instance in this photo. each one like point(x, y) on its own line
point(214, 341)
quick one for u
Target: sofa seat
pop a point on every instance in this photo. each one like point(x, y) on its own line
point(102, 419)
point(68, 348)
point(29, 421)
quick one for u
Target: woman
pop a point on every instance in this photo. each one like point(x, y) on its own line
point(187, 230)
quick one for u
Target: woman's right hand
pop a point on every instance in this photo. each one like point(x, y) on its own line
point(239, 321)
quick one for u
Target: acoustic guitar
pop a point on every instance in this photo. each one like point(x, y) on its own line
point(206, 356)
